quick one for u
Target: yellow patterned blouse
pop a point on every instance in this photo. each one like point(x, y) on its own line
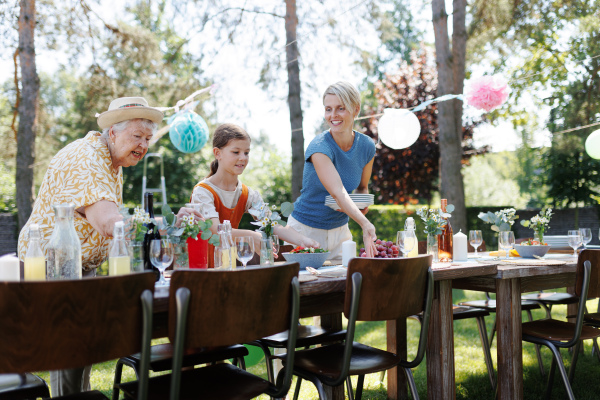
point(82, 174)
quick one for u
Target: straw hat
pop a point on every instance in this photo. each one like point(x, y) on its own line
point(125, 108)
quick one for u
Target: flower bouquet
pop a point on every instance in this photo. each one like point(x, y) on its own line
point(539, 224)
point(267, 217)
point(501, 220)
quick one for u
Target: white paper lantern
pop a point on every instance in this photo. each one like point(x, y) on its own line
point(592, 144)
point(398, 128)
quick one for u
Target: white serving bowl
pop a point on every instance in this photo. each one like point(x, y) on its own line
point(526, 251)
point(314, 260)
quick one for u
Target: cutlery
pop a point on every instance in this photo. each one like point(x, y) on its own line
point(315, 272)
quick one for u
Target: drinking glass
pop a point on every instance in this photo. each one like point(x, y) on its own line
point(586, 236)
point(405, 242)
point(161, 256)
point(275, 240)
point(244, 248)
point(575, 240)
point(475, 238)
point(507, 239)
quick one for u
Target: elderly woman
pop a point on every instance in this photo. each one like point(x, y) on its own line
point(88, 173)
point(337, 162)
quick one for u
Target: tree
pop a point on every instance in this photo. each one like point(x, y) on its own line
point(411, 174)
point(294, 99)
point(28, 108)
point(451, 75)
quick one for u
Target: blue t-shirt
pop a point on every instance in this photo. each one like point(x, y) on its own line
point(310, 208)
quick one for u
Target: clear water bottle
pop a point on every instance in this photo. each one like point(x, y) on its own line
point(64, 248)
point(118, 256)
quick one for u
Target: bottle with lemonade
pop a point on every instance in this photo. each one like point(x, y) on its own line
point(118, 257)
point(35, 262)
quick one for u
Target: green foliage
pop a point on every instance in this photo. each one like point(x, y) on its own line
point(409, 175)
point(186, 228)
point(7, 190)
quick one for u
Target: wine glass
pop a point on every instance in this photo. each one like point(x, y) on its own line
point(244, 248)
point(575, 240)
point(475, 238)
point(161, 256)
point(586, 236)
point(507, 239)
point(275, 240)
point(405, 242)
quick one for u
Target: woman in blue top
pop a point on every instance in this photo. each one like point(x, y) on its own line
point(337, 162)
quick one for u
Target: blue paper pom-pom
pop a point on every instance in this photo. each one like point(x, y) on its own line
point(188, 132)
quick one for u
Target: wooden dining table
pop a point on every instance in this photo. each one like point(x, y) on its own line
point(508, 283)
point(324, 297)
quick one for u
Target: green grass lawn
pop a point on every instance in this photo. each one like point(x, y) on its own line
point(472, 381)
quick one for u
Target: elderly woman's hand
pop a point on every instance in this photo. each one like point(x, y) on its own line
point(186, 211)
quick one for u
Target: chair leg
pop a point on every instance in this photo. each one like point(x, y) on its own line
point(359, 387)
point(349, 388)
point(117, 381)
point(574, 361)
point(550, 378)
point(487, 355)
point(411, 383)
point(563, 372)
point(382, 376)
point(493, 333)
point(537, 349)
point(297, 389)
point(595, 348)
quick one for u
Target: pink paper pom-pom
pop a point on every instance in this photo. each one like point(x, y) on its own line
point(487, 93)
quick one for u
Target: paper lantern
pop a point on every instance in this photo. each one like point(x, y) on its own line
point(188, 131)
point(398, 128)
point(592, 145)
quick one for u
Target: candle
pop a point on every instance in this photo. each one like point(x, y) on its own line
point(348, 251)
point(9, 268)
point(459, 247)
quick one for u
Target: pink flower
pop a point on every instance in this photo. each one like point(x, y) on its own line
point(487, 93)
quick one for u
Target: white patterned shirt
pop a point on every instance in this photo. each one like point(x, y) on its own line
point(81, 173)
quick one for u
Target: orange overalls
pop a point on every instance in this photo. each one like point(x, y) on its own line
point(234, 215)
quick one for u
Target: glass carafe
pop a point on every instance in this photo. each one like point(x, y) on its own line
point(64, 248)
point(410, 229)
point(266, 250)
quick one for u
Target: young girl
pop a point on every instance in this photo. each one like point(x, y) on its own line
point(224, 197)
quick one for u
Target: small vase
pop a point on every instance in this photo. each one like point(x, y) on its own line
point(136, 255)
point(432, 246)
point(266, 250)
point(197, 253)
point(180, 256)
point(539, 236)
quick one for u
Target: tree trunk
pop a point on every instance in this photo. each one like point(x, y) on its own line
point(28, 108)
point(450, 78)
point(294, 101)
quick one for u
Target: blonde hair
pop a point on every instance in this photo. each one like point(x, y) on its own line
point(223, 135)
point(348, 95)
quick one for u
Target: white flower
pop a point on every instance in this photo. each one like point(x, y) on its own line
point(274, 223)
point(274, 207)
point(263, 223)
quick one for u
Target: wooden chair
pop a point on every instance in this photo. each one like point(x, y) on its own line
point(209, 308)
point(556, 334)
point(58, 325)
point(376, 290)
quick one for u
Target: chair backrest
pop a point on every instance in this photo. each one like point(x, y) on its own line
point(218, 308)
point(391, 288)
point(593, 256)
point(230, 307)
point(72, 323)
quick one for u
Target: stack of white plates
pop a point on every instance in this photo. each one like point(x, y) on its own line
point(558, 242)
point(361, 201)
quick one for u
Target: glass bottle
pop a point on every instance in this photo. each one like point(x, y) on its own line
point(225, 247)
point(151, 234)
point(445, 238)
point(232, 248)
point(118, 256)
point(410, 228)
point(35, 262)
point(64, 248)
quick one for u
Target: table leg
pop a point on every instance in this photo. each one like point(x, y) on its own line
point(333, 321)
point(510, 344)
point(396, 343)
point(440, 345)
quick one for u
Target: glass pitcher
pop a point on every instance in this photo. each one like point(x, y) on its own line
point(64, 248)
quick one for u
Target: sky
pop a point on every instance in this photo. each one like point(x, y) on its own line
point(239, 99)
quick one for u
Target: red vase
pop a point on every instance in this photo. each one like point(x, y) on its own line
point(198, 253)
